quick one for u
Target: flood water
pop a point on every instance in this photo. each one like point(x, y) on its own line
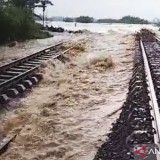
point(102, 28)
point(67, 116)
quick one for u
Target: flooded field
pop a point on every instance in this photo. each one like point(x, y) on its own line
point(69, 114)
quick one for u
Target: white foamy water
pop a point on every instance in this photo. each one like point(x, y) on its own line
point(102, 28)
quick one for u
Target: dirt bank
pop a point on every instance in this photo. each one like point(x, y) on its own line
point(66, 117)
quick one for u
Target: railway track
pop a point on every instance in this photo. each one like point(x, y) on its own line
point(21, 74)
point(136, 133)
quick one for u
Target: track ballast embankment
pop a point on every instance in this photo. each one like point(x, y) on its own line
point(138, 123)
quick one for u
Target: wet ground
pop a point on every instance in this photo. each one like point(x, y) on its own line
point(69, 114)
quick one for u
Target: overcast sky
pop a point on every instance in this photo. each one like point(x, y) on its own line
point(148, 9)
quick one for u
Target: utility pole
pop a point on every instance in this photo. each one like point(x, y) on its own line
point(43, 5)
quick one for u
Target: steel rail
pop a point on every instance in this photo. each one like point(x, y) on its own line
point(27, 71)
point(157, 38)
point(22, 60)
point(155, 108)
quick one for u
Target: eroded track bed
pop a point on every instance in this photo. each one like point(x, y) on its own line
point(21, 74)
point(138, 122)
point(64, 118)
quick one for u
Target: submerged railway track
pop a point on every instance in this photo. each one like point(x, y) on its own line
point(22, 74)
point(137, 130)
point(136, 133)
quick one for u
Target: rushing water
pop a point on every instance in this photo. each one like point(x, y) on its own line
point(22, 49)
point(66, 117)
point(101, 28)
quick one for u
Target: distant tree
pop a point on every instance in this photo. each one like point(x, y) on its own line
point(23, 3)
point(133, 20)
point(126, 19)
point(107, 20)
point(84, 19)
point(68, 19)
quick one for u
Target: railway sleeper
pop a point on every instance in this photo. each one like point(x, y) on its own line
point(4, 99)
point(20, 88)
point(34, 80)
point(12, 92)
point(27, 83)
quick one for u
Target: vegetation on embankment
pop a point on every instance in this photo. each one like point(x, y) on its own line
point(17, 22)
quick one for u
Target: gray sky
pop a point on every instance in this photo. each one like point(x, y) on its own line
point(148, 9)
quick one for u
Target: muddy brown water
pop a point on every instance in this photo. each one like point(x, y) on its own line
point(66, 116)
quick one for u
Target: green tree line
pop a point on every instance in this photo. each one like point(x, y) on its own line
point(81, 19)
point(126, 19)
point(133, 20)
